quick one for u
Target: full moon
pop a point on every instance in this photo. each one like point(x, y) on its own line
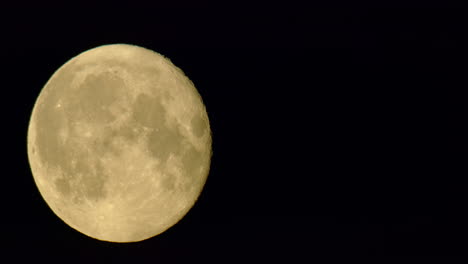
point(119, 143)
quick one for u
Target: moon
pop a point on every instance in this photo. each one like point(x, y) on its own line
point(119, 143)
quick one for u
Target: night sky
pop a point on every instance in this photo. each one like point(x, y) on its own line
point(336, 132)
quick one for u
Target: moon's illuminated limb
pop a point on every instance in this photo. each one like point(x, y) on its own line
point(119, 143)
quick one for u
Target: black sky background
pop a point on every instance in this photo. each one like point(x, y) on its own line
point(336, 132)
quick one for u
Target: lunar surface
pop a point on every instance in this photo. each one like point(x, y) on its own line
point(119, 143)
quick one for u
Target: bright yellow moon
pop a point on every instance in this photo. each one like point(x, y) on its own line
point(119, 143)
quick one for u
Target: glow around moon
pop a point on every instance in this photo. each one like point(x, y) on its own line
point(119, 143)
